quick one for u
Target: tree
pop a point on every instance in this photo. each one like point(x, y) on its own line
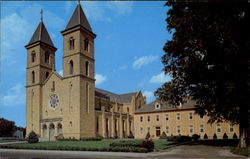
point(208, 60)
point(6, 127)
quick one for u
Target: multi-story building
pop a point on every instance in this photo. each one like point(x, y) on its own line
point(158, 117)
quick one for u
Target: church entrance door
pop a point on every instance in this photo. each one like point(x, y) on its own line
point(51, 132)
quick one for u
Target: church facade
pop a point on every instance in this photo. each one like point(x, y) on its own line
point(71, 105)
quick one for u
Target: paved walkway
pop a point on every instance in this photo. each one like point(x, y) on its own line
point(180, 152)
point(12, 142)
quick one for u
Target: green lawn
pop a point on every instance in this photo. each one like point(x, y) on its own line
point(4, 141)
point(240, 151)
point(79, 145)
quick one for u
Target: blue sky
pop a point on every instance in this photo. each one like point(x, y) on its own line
point(128, 47)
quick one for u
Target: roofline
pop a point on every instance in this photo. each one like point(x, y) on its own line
point(79, 25)
point(162, 111)
point(37, 43)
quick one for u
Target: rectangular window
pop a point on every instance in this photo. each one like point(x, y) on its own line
point(141, 118)
point(231, 128)
point(157, 118)
point(86, 45)
point(178, 128)
point(141, 130)
point(178, 116)
point(201, 128)
point(148, 118)
point(190, 116)
point(166, 116)
point(191, 129)
point(218, 128)
point(167, 130)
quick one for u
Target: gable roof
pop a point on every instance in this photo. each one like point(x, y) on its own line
point(41, 35)
point(164, 106)
point(78, 19)
point(122, 98)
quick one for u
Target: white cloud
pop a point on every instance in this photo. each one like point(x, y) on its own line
point(60, 72)
point(149, 95)
point(144, 61)
point(100, 79)
point(120, 7)
point(15, 96)
point(160, 78)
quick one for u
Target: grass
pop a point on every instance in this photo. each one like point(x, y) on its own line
point(79, 145)
point(4, 141)
point(162, 145)
point(240, 151)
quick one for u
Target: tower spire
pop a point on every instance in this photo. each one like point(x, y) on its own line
point(41, 12)
point(78, 2)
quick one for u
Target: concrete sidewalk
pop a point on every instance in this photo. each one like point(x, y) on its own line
point(12, 142)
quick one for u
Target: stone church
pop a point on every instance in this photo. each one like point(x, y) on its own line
point(71, 105)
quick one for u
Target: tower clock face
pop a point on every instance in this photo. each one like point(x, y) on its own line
point(54, 101)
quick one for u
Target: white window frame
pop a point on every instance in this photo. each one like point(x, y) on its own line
point(191, 127)
point(218, 126)
point(202, 128)
point(166, 117)
point(190, 115)
point(157, 106)
point(157, 117)
point(231, 126)
point(178, 128)
point(141, 118)
point(178, 115)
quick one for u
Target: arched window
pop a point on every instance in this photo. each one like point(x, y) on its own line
point(59, 128)
point(33, 56)
point(86, 45)
point(33, 76)
point(46, 57)
point(71, 43)
point(44, 130)
point(46, 75)
point(87, 68)
point(71, 67)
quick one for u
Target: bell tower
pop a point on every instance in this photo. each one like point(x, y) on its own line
point(78, 70)
point(40, 63)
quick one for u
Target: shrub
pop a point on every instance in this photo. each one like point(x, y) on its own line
point(235, 136)
point(91, 139)
point(163, 135)
point(215, 136)
point(32, 138)
point(125, 143)
point(225, 136)
point(195, 137)
point(59, 137)
point(149, 145)
point(147, 136)
point(205, 136)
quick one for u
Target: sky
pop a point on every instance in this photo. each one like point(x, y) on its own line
point(128, 46)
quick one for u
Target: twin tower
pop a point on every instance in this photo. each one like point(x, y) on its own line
point(55, 103)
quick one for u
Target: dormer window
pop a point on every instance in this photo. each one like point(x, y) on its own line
point(157, 106)
point(33, 56)
point(180, 105)
point(71, 43)
point(86, 45)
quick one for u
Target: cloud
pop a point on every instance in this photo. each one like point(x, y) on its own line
point(144, 61)
point(100, 79)
point(68, 5)
point(60, 72)
point(15, 96)
point(160, 78)
point(120, 7)
point(149, 95)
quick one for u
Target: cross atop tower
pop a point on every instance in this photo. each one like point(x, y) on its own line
point(41, 12)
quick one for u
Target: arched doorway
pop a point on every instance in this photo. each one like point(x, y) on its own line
point(59, 128)
point(52, 132)
point(44, 131)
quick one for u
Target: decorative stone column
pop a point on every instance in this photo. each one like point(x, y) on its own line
point(103, 121)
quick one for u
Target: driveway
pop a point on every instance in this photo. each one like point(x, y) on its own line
point(180, 152)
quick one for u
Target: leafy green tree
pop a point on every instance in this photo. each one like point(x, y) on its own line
point(208, 60)
point(6, 127)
